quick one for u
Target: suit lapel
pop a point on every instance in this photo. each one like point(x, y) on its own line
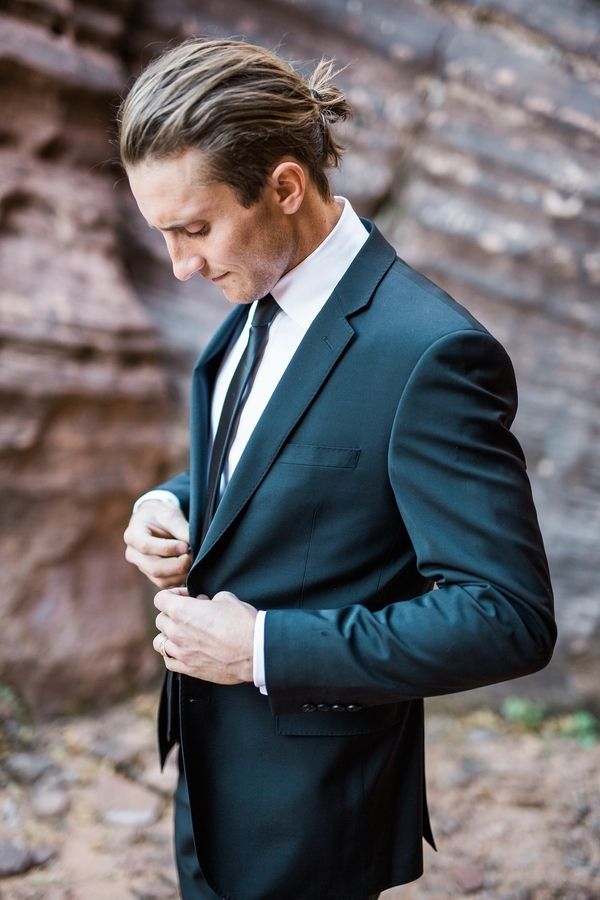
point(203, 379)
point(320, 350)
point(316, 355)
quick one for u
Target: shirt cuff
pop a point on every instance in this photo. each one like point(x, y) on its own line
point(258, 663)
point(165, 496)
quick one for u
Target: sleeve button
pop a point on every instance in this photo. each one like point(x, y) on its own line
point(353, 707)
point(323, 707)
point(308, 707)
point(338, 707)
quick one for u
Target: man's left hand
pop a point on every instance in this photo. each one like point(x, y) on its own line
point(208, 639)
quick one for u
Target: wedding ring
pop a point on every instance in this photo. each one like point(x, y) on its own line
point(161, 646)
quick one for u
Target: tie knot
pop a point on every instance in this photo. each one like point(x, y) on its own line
point(265, 312)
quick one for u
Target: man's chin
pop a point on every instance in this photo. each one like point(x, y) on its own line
point(240, 297)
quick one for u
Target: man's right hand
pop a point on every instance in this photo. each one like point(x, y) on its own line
point(157, 540)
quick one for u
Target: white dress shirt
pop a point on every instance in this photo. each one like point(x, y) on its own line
point(301, 294)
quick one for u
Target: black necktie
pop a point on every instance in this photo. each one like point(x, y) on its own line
point(237, 392)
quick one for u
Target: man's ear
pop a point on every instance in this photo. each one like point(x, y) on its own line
point(288, 180)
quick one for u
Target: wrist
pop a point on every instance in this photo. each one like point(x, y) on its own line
point(164, 496)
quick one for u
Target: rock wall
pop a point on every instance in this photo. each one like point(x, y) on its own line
point(82, 382)
point(474, 145)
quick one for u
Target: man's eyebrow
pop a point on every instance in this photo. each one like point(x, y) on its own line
point(175, 226)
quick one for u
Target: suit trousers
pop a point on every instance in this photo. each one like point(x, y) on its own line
point(192, 884)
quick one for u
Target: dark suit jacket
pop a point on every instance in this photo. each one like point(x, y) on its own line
point(382, 467)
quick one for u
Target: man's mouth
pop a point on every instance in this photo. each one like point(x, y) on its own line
point(219, 278)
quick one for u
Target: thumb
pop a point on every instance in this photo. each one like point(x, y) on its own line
point(166, 521)
point(179, 526)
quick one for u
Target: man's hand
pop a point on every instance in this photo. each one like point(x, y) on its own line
point(208, 639)
point(157, 539)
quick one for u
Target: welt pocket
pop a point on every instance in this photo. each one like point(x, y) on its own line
point(341, 724)
point(314, 455)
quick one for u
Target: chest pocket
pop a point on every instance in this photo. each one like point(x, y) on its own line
point(314, 455)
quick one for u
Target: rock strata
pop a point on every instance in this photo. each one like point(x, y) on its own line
point(82, 386)
point(474, 144)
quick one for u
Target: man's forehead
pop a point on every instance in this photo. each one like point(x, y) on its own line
point(171, 193)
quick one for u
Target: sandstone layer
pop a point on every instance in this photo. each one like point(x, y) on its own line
point(474, 145)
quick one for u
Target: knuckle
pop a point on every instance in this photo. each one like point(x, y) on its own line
point(178, 636)
point(155, 567)
point(143, 546)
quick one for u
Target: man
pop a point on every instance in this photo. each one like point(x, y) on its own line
point(361, 528)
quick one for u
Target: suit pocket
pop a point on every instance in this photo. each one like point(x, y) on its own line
point(314, 455)
point(341, 724)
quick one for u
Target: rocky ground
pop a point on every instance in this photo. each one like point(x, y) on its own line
point(86, 815)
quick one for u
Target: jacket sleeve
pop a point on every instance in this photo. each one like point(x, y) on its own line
point(460, 483)
point(180, 486)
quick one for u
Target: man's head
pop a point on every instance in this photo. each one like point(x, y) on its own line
point(226, 147)
point(241, 105)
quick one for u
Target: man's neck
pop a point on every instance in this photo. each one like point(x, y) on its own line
point(316, 220)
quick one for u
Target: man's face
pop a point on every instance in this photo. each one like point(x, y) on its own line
point(207, 230)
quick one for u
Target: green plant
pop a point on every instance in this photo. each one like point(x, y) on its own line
point(525, 713)
point(582, 725)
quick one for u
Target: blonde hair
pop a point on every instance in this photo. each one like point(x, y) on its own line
point(241, 105)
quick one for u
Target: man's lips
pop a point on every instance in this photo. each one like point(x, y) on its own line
point(219, 278)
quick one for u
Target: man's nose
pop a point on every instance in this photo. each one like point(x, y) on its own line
point(186, 267)
point(185, 264)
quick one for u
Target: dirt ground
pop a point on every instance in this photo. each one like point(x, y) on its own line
point(85, 813)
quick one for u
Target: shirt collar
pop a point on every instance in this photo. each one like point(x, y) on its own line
point(304, 290)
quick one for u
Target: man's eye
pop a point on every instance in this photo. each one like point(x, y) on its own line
point(201, 232)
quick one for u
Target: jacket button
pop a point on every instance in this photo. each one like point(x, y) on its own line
point(308, 707)
point(353, 707)
point(323, 707)
point(338, 707)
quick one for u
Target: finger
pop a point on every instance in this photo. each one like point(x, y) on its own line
point(175, 665)
point(225, 596)
point(142, 540)
point(160, 644)
point(159, 566)
point(176, 604)
point(165, 584)
point(163, 623)
point(168, 601)
point(179, 525)
point(171, 660)
point(163, 517)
